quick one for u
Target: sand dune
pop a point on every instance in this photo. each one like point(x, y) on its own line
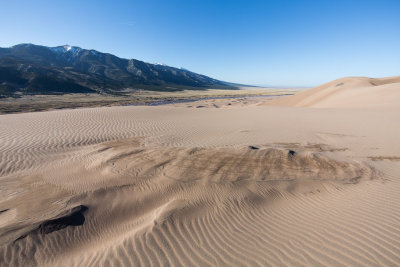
point(242, 185)
point(351, 92)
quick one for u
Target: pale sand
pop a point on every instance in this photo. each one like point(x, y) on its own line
point(350, 92)
point(232, 186)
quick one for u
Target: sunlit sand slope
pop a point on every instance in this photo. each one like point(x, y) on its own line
point(352, 92)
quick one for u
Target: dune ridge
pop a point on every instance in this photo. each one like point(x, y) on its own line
point(349, 92)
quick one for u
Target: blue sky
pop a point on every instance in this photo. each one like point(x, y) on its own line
point(277, 43)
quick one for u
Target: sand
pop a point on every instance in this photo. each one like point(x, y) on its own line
point(350, 92)
point(306, 180)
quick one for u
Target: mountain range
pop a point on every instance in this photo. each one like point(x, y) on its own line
point(34, 69)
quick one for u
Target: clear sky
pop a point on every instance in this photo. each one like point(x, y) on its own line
point(277, 42)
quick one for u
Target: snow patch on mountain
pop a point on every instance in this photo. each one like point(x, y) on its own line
point(66, 49)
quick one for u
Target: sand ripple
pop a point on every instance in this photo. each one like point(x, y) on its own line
point(156, 186)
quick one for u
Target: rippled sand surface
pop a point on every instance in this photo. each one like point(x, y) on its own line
point(313, 181)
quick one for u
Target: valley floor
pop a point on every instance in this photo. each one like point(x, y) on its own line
point(34, 103)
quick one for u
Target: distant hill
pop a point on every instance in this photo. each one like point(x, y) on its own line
point(34, 69)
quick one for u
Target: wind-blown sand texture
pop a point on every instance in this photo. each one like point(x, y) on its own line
point(235, 186)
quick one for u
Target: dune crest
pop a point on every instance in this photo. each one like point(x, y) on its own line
point(351, 92)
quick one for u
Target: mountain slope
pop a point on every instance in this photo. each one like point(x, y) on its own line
point(34, 69)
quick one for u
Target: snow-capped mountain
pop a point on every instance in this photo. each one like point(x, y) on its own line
point(66, 49)
point(34, 69)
